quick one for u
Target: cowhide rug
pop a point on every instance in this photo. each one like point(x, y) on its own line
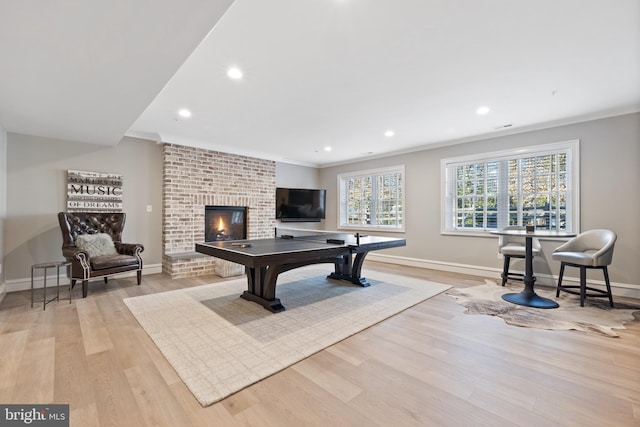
point(595, 316)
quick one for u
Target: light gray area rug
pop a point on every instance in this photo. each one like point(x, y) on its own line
point(219, 343)
point(596, 315)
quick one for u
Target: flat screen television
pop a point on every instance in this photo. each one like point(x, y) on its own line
point(300, 205)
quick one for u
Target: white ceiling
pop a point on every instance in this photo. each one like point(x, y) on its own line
point(317, 73)
point(84, 70)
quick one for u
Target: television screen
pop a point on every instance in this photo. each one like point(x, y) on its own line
point(297, 204)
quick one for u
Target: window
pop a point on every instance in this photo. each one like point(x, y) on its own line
point(534, 185)
point(372, 199)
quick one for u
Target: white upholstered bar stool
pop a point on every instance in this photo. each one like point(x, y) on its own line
point(514, 247)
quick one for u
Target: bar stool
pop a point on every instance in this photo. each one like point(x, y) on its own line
point(514, 247)
point(44, 266)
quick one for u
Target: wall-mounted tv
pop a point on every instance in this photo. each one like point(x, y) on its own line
point(301, 205)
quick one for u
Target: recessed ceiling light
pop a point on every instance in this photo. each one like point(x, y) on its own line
point(234, 73)
point(184, 113)
point(482, 110)
point(389, 133)
point(327, 148)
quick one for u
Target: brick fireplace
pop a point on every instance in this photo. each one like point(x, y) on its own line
point(194, 178)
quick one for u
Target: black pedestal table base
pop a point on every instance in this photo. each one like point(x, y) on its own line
point(530, 299)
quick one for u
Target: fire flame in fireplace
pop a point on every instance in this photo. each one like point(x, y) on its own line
point(224, 223)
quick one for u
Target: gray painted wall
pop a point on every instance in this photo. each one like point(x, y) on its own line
point(36, 192)
point(610, 176)
point(3, 199)
point(295, 176)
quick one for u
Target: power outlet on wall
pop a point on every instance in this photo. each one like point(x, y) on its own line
point(500, 255)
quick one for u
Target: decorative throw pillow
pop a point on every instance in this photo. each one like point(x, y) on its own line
point(96, 245)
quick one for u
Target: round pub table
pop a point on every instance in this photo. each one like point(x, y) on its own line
point(527, 296)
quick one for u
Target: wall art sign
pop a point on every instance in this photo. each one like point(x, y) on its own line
point(94, 192)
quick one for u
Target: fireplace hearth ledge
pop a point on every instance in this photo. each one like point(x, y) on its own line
point(185, 255)
point(222, 268)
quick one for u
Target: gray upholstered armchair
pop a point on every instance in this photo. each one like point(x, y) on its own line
point(92, 242)
point(591, 249)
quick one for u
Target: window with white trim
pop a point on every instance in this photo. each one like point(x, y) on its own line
point(536, 185)
point(372, 199)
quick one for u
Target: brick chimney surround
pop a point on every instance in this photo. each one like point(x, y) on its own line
point(194, 178)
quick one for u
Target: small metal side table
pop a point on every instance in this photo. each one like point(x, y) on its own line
point(45, 266)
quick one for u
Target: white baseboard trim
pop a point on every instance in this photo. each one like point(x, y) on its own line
point(16, 285)
point(618, 289)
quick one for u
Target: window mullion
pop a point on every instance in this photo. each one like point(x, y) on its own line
point(519, 192)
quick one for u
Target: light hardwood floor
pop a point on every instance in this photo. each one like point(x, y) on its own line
point(430, 365)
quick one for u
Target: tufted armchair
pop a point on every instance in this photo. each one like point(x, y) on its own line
point(111, 256)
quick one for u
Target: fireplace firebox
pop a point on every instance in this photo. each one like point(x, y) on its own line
point(225, 223)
